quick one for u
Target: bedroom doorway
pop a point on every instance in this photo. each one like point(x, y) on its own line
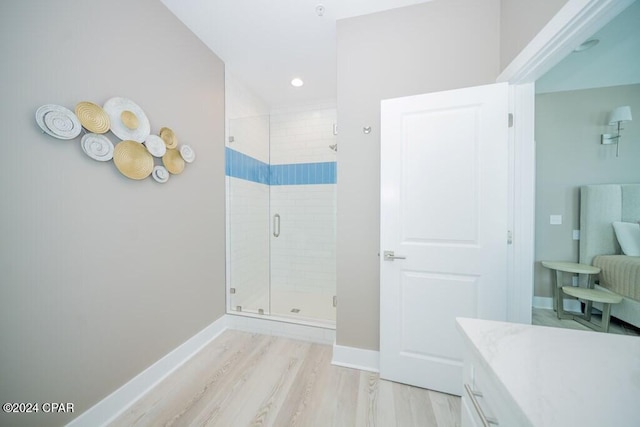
point(575, 22)
point(583, 88)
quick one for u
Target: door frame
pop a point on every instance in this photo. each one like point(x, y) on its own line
point(574, 22)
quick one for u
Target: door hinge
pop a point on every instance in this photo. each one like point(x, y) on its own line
point(510, 120)
point(509, 237)
point(335, 301)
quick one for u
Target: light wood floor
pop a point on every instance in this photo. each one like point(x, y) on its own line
point(244, 379)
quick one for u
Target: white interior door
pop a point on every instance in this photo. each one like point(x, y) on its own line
point(444, 209)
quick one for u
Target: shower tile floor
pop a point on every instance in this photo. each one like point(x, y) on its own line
point(311, 306)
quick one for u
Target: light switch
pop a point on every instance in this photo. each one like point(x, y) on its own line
point(576, 234)
point(555, 219)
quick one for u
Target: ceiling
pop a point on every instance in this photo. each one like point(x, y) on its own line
point(614, 61)
point(265, 44)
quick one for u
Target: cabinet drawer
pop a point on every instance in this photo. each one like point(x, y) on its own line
point(493, 406)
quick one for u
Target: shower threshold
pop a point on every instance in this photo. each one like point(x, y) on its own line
point(316, 323)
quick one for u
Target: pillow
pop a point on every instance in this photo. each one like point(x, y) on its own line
point(628, 234)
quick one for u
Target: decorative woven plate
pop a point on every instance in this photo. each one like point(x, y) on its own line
point(93, 117)
point(133, 160)
point(169, 137)
point(58, 121)
point(155, 145)
point(173, 161)
point(128, 120)
point(96, 146)
point(187, 153)
point(160, 174)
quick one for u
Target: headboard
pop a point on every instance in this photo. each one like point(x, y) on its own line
point(600, 206)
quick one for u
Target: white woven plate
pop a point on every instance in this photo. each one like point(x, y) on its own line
point(58, 121)
point(114, 107)
point(98, 147)
point(155, 146)
point(187, 153)
point(160, 174)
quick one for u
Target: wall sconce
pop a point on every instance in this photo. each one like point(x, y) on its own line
point(617, 116)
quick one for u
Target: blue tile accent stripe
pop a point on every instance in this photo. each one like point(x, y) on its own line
point(303, 174)
point(241, 166)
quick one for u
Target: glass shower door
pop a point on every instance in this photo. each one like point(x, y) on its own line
point(303, 215)
point(281, 215)
point(247, 174)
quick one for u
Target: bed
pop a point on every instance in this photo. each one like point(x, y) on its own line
point(600, 207)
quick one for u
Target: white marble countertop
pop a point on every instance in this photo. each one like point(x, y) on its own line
point(562, 377)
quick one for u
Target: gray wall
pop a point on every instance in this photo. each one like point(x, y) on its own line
point(520, 21)
point(424, 48)
point(102, 275)
point(568, 155)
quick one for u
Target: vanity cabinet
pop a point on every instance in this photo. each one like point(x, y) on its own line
point(522, 375)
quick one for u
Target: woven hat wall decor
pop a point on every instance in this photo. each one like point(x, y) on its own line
point(135, 151)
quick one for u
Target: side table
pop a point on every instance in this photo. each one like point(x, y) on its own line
point(588, 295)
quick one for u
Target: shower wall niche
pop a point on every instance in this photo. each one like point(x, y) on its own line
point(281, 206)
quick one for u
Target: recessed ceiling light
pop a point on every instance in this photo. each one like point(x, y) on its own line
point(297, 82)
point(586, 45)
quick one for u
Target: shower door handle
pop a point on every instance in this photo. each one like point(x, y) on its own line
point(276, 225)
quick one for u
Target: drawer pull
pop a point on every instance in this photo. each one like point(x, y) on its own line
point(486, 421)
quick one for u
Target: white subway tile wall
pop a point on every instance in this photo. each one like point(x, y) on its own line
point(303, 257)
point(249, 245)
point(303, 136)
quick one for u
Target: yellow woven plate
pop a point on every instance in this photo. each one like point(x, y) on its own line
point(93, 117)
point(173, 161)
point(169, 137)
point(133, 160)
point(129, 119)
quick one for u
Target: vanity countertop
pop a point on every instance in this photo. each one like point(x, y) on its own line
point(561, 377)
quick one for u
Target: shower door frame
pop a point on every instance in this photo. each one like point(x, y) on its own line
point(267, 312)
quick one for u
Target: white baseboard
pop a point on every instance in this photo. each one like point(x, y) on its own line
point(547, 303)
point(109, 408)
point(356, 358)
point(112, 406)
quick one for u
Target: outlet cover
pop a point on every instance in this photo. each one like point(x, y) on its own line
point(555, 219)
point(576, 234)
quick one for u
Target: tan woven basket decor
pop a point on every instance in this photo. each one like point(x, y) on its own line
point(133, 160)
point(93, 117)
point(129, 119)
point(173, 161)
point(169, 137)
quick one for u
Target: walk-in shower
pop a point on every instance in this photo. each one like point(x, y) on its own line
point(281, 215)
